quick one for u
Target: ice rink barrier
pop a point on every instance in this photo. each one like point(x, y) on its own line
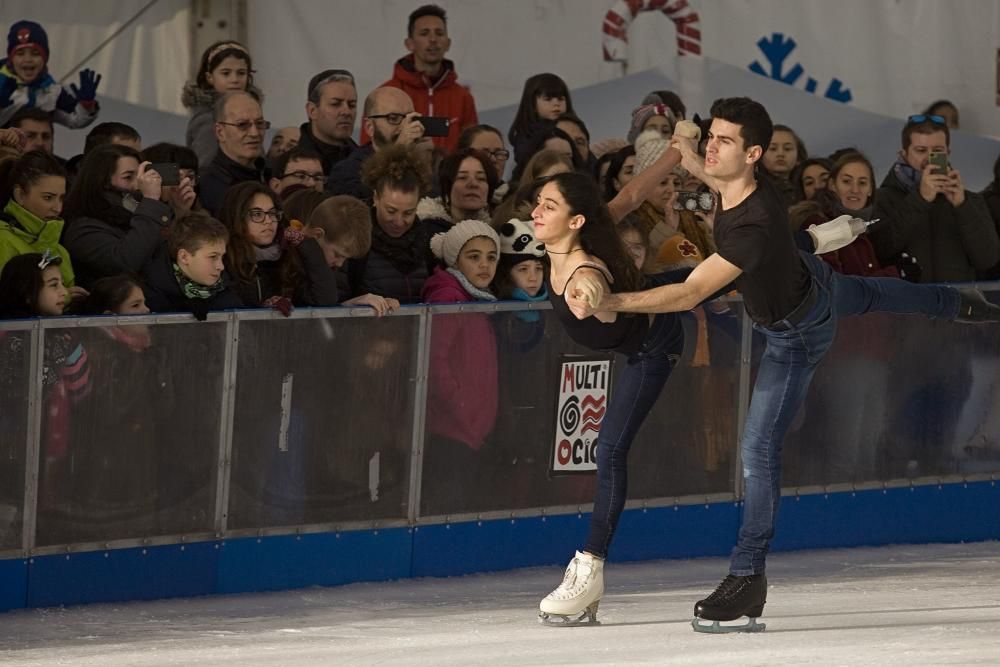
point(156, 456)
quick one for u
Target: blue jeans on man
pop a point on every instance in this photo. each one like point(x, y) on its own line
point(794, 350)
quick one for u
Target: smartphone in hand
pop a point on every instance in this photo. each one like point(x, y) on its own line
point(940, 161)
point(170, 172)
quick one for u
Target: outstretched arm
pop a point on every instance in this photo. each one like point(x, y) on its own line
point(640, 187)
point(707, 278)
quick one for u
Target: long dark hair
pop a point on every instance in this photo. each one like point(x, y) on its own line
point(546, 84)
point(26, 171)
point(20, 283)
point(598, 236)
point(240, 258)
point(614, 169)
point(108, 294)
point(86, 198)
point(534, 140)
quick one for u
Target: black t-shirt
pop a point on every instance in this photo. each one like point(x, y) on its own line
point(756, 236)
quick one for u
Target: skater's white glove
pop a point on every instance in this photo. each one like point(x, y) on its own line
point(590, 289)
point(688, 129)
point(835, 234)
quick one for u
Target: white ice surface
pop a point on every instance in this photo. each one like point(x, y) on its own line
point(904, 605)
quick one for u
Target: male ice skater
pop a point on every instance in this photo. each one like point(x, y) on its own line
point(795, 300)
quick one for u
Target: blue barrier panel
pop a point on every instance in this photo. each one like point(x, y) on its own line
point(498, 544)
point(176, 570)
point(962, 512)
point(315, 559)
point(682, 531)
point(14, 589)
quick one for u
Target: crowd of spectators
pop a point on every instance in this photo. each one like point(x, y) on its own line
point(315, 219)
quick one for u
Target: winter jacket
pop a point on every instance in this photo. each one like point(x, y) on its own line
point(103, 248)
point(376, 273)
point(163, 292)
point(46, 94)
point(329, 154)
point(345, 177)
point(950, 244)
point(462, 385)
point(200, 135)
point(991, 195)
point(22, 232)
point(444, 97)
point(221, 173)
point(318, 286)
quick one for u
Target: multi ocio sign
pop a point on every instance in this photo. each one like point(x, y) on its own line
point(584, 385)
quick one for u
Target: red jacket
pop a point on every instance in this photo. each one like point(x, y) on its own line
point(462, 383)
point(445, 97)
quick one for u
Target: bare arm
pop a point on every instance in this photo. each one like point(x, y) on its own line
point(640, 187)
point(707, 278)
point(604, 315)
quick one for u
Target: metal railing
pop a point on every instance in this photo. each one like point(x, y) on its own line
point(120, 432)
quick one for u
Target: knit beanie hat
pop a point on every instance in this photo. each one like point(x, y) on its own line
point(27, 33)
point(643, 113)
point(447, 245)
point(518, 242)
point(649, 146)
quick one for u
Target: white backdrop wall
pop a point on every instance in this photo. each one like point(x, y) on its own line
point(894, 56)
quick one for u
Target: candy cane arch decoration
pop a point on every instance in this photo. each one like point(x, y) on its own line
point(623, 12)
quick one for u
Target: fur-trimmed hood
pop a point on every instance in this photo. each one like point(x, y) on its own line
point(433, 208)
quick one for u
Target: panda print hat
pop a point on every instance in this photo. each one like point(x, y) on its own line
point(518, 242)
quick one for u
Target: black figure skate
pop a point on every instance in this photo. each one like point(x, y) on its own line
point(734, 598)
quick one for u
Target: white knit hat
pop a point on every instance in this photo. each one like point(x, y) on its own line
point(649, 146)
point(447, 245)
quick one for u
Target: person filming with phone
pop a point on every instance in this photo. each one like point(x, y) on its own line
point(388, 118)
point(925, 211)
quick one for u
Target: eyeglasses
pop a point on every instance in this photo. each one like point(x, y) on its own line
point(499, 154)
point(257, 215)
point(244, 125)
point(391, 118)
point(303, 176)
point(922, 118)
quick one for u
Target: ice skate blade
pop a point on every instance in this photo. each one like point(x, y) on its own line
point(716, 627)
point(587, 617)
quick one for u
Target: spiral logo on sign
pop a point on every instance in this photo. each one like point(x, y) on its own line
point(569, 415)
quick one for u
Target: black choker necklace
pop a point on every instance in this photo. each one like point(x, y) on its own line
point(568, 252)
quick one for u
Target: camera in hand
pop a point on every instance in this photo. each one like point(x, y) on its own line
point(170, 172)
point(434, 126)
point(694, 201)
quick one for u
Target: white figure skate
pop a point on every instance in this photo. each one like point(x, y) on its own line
point(575, 601)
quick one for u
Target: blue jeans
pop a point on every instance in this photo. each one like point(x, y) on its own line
point(787, 367)
point(632, 397)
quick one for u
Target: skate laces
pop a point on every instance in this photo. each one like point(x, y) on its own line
point(729, 586)
point(575, 580)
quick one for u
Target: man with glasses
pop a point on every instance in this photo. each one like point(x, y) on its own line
point(925, 211)
point(429, 78)
point(389, 119)
point(240, 128)
point(298, 167)
point(332, 107)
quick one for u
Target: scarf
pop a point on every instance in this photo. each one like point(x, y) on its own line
point(520, 295)
point(907, 176)
point(193, 290)
point(121, 208)
point(474, 292)
point(271, 253)
point(404, 253)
